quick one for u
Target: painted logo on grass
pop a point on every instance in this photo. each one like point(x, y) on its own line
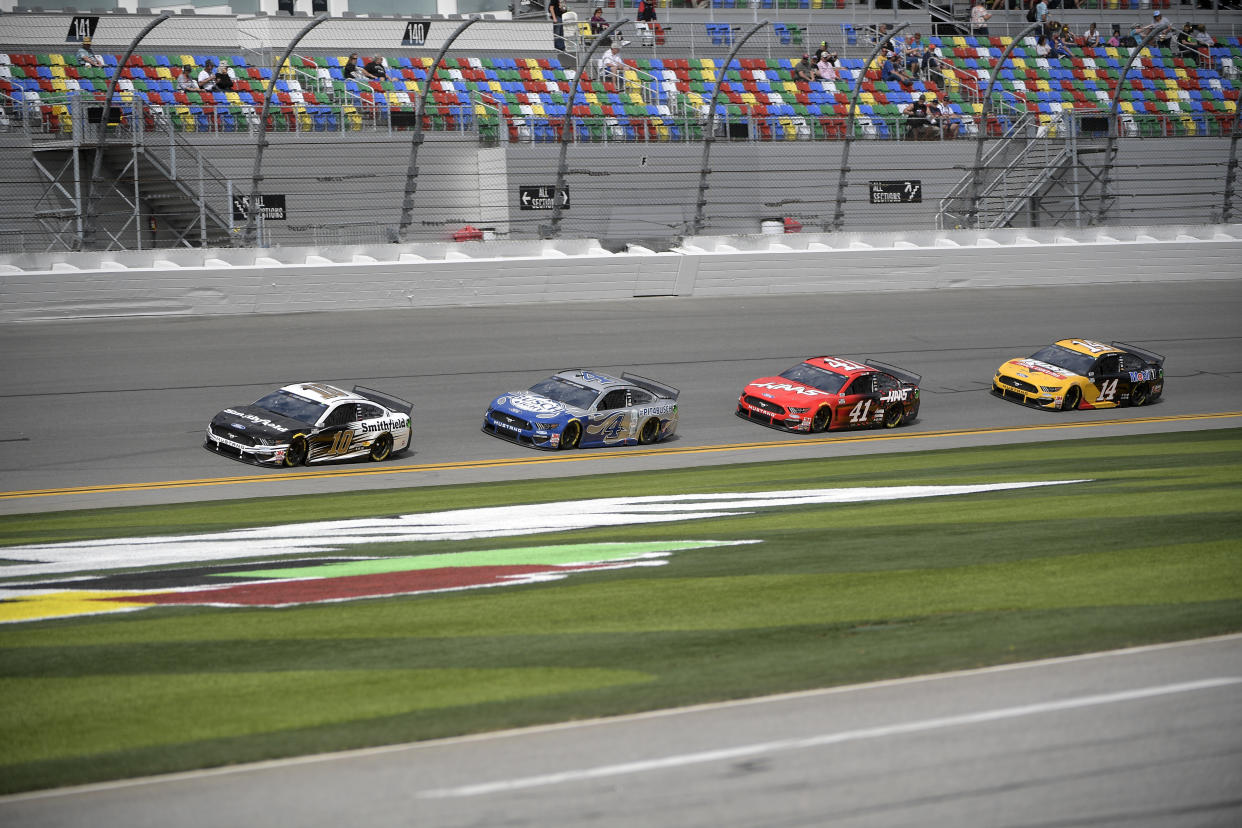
point(271, 583)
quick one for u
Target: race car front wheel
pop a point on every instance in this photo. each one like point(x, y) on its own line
point(650, 432)
point(381, 448)
point(571, 435)
point(298, 451)
point(1072, 398)
point(821, 419)
point(1138, 395)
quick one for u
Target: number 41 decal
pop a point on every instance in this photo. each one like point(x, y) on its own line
point(860, 412)
point(1108, 390)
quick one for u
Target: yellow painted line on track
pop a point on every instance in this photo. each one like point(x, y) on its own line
point(578, 456)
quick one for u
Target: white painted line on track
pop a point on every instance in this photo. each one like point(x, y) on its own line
point(741, 751)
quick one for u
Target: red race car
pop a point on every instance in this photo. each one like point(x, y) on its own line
point(830, 393)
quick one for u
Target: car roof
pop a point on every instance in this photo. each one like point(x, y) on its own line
point(839, 365)
point(591, 379)
point(320, 392)
point(1089, 347)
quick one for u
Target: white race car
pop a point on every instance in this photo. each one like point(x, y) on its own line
point(313, 422)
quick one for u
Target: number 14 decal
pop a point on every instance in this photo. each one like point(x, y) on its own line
point(1108, 390)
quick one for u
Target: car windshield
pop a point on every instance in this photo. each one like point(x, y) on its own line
point(815, 377)
point(293, 406)
point(1065, 358)
point(563, 391)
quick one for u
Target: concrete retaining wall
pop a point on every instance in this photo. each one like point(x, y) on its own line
point(290, 280)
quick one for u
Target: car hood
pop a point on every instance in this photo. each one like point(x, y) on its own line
point(1027, 368)
point(529, 406)
point(258, 422)
point(786, 392)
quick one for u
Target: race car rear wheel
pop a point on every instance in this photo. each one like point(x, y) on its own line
point(1138, 395)
point(821, 419)
point(894, 415)
point(650, 432)
point(1072, 397)
point(381, 448)
point(571, 435)
point(298, 451)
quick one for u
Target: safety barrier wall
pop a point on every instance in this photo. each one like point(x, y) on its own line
point(205, 283)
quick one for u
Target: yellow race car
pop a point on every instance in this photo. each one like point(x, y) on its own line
point(1082, 373)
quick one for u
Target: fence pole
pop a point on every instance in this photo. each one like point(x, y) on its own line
point(709, 135)
point(553, 230)
point(88, 226)
point(1113, 125)
point(261, 142)
point(411, 175)
point(838, 212)
point(1231, 170)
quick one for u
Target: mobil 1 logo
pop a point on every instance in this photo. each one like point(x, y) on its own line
point(540, 197)
point(416, 32)
point(896, 192)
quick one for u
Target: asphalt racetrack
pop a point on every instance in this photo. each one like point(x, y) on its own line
point(111, 411)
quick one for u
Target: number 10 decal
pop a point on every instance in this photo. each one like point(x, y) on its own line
point(341, 442)
point(1108, 390)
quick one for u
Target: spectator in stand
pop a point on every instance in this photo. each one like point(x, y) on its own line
point(918, 125)
point(1041, 11)
point(350, 70)
point(943, 120)
point(375, 69)
point(1090, 38)
point(827, 66)
point(889, 73)
point(224, 77)
point(804, 71)
point(207, 77)
point(556, 13)
point(87, 56)
point(646, 11)
point(185, 79)
point(912, 53)
point(612, 67)
point(1206, 42)
point(1164, 40)
point(598, 23)
point(1042, 48)
point(880, 34)
point(979, 17)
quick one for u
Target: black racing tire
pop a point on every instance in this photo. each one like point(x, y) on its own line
point(572, 435)
point(649, 432)
point(381, 449)
point(894, 415)
point(298, 452)
point(1072, 398)
point(821, 420)
point(1139, 395)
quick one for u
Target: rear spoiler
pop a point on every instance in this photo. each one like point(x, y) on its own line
point(1150, 356)
point(902, 374)
point(667, 392)
point(386, 400)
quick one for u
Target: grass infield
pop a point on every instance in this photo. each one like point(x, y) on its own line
point(1147, 550)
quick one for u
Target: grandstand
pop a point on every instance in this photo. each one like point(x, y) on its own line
point(503, 99)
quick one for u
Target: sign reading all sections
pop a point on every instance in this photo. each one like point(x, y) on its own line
point(896, 192)
point(416, 32)
point(540, 198)
point(273, 207)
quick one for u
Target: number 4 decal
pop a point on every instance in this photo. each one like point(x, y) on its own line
point(1108, 390)
point(860, 412)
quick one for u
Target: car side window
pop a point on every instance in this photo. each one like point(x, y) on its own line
point(343, 414)
point(369, 412)
point(1108, 364)
point(886, 383)
point(1129, 362)
point(612, 400)
point(640, 397)
point(864, 384)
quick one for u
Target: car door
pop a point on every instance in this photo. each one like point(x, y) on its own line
point(858, 404)
point(336, 433)
point(1111, 384)
point(612, 421)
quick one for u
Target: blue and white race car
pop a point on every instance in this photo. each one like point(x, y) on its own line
point(580, 408)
